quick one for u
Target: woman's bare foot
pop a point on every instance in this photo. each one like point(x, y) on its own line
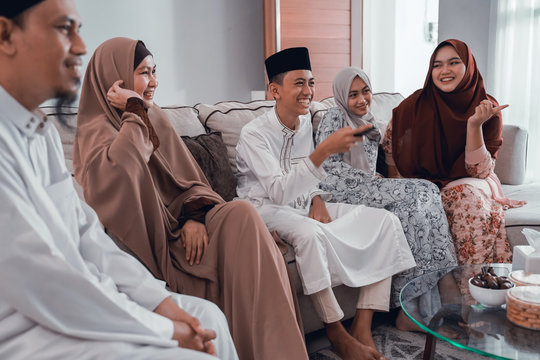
point(404, 323)
point(347, 347)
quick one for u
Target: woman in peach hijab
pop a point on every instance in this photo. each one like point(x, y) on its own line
point(152, 196)
point(449, 132)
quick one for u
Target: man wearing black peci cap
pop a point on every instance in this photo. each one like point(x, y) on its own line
point(279, 172)
point(66, 290)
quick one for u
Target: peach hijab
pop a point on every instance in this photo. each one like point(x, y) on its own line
point(142, 201)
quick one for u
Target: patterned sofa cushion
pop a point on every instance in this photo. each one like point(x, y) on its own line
point(211, 154)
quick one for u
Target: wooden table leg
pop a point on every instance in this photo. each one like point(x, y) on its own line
point(429, 348)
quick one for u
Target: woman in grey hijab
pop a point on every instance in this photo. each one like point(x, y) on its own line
point(417, 203)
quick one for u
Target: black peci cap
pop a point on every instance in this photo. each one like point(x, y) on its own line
point(12, 8)
point(296, 58)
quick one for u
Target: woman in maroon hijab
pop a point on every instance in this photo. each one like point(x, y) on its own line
point(449, 132)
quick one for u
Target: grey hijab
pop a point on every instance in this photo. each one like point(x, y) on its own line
point(356, 157)
point(341, 87)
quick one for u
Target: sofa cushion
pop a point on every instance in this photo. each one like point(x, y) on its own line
point(229, 117)
point(184, 120)
point(527, 216)
point(512, 157)
point(211, 154)
point(67, 134)
point(382, 105)
point(318, 109)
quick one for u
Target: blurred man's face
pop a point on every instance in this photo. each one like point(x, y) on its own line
point(49, 49)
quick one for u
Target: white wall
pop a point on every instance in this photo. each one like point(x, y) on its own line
point(469, 21)
point(379, 27)
point(396, 53)
point(205, 50)
point(413, 50)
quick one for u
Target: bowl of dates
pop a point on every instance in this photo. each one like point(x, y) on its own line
point(488, 288)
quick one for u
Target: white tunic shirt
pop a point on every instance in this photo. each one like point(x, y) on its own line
point(273, 166)
point(360, 247)
point(58, 269)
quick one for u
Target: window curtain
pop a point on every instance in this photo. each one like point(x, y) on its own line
point(517, 70)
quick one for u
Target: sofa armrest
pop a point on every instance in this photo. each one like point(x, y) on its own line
point(512, 157)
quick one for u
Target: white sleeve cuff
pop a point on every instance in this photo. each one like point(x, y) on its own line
point(150, 293)
point(325, 196)
point(318, 172)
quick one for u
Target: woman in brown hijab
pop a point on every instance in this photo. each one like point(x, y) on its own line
point(449, 132)
point(150, 194)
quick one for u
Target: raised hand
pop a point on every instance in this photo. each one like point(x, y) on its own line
point(483, 112)
point(340, 141)
point(343, 139)
point(118, 96)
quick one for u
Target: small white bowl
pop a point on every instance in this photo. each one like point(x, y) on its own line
point(488, 297)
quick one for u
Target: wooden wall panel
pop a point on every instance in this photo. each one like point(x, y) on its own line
point(315, 31)
point(269, 15)
point(317, 4)
point(324, 27)
point(331, 46)
point(314, 16)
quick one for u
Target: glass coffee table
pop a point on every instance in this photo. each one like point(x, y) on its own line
point(452, 315)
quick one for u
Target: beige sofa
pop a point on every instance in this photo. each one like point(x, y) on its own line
point(228, 118)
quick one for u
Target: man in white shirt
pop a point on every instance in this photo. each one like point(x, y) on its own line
point(279, 172)
point(66, 291)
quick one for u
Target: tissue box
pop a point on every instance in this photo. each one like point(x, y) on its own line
point(532, 263)
point(532, 260)
point(521, 252)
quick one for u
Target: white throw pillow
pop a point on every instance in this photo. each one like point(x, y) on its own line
point(184, 120)
point(228, 117)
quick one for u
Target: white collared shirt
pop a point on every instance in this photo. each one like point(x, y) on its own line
point(274, 165)
point(58, 268)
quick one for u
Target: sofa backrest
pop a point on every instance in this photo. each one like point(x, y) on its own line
point(511, 164)
point(228, 118)
point(185, 120)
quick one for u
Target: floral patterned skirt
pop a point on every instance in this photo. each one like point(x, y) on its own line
point(477, 225)
point(417, 204)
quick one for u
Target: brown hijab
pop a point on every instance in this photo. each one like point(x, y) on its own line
point(429, 127)
point(142, 201)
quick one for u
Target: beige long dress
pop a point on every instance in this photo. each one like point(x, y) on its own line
point(144, 190)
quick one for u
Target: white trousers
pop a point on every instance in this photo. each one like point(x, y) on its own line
point(43, 344)
point(374, 297)
point(361, 246)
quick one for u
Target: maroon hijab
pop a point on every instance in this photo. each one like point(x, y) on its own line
point(429, 127)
